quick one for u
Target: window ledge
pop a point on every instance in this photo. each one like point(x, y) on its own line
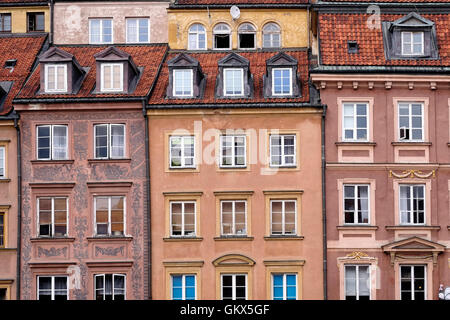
point(4, 180)
point(357, 227)
point(173, 239)
point(52, 161)
point(121, 160)
point(413, 227)
point(411, 143)
point(109, 238)
point(52, 239)
point(283, 238)
point(234, 238)
point(355, 143)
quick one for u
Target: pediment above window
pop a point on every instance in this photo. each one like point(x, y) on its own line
point(233, 260)
point(414, 248)
point(412, 20)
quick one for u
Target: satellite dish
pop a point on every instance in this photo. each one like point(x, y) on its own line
point(235, 12)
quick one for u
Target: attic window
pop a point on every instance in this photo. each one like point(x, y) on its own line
point(247, 34)
point(353, 47)
point(56, 78)
point(11, 63)
point(112, 77)
point(412, 43)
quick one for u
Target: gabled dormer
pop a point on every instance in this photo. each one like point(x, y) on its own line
point(281, 78)
point(186, 79)
point(410, 37)
point(60, 72)
point(234, 79)
point(116, 71)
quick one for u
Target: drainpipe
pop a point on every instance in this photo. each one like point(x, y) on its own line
point(19, 208)
point(147, 172)
point(324, 210)
point(52, 6)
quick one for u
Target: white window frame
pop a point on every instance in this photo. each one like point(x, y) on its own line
point(233, 155)
point(182, 157)
point(101, 31)
point(197, 33)
point(52, 216)
point(51, 154)
point(109, 234)
point(355, 122)
point(183, 285)
point(102, 84)
point(283, 217)
point(191, 76)
point(246, 32)
point(55, 66)
point(183, 235)
point(411, 212)
point(271, 33)
point(52, 285)
point(357, 279)
point(290, 82)
point(233, 215)
point(425, 275)
point(3, 161)
point(284, 283)
point(356, 186)
point(241, 71)
point(411, 44)
point(410, 116)
point(229, 33)
point(283, 156)
point(102, 275)
point(138, 19)
point(233, 284)
point(109, 140)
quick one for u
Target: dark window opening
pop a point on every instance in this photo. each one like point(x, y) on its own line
point(3, 294)
point(247, 41)
point(36, 21)
point(5, 22)
point(222, 41)
point(353, 47)
point(10, 63)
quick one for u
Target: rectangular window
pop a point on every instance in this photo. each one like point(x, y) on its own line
point(109, 141)
point(52, 288)
point(410, 121)
point(412, 43)
point(52, 142)
point(5, 22)
point(183, 287)
point(357, 282)
point(111, 77)
point(109, 215)
point(234, 286)
point(182, 153)
point(100, 31)
point(2, 229)
point(234, 217)
point(233, 82)
point(138, 30)
point(110, 286)
point(4, 294)
point(355, 122)
point(356, 204)
point(232, 151)
point(283, 150)
point(182, 83)
point(412, 204)
point(52, 216)
point(413, 282)
point(281, 81)
point(182, 218)
point(283, 217)
point(36, 21)
point(2, 162)
point(56, 78)
point(284, 286)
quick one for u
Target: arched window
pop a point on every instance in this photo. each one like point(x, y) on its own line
point(197, 37)
point(271, 36)
point(247, 35)
point(222, 36)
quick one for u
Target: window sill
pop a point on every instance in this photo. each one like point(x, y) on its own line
point(121, 160)
point(109, 238)
point(411, 143)
point(4, 180)
point(357, 227)
point(413, 227)
point(234, 238)
point(355, 143)
point(52, 161)
point(53, 239)
point(283, 238)
point(182, 239)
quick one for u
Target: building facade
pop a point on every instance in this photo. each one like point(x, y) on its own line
point(384, 78)
point(24, 16)
point(235, 154)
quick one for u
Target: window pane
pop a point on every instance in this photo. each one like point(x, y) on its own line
point(101, 141)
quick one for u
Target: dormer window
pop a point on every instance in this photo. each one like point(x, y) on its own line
point(182, 82)
point(412, 43)
point(281, 81)
point(234, 78)
point(56, 78)
point(222, 36)
point(233, 82)
point(112, 77)
point(247, 35)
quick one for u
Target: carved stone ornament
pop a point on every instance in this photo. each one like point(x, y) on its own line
point(412, 174)
point(357, 255)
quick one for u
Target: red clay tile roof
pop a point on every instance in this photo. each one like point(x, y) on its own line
point(390, 1)
point(22, 1)
point(237, 2)
point(337, 29)
point(208, 62)
point(147, 56)
point(24, 49)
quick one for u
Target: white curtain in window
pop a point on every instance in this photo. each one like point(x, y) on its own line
point(117, 141)
point(59, 142)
